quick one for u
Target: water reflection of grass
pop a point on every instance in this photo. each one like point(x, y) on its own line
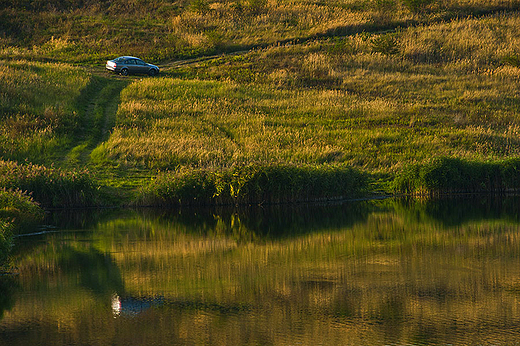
point(226, 257)
point(393, 267)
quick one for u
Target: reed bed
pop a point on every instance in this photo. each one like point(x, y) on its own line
point(51, 187)
point(254, 184)
point(18, 211)
point(14, 202)
point(5, 242)
point(453, 175)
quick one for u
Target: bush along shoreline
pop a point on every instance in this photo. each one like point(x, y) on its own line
point(49, 186)
point(253, 184)
point(18, 212)
point(445, 175)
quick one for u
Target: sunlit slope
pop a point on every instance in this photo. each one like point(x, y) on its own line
point(91, 31)
point(46, 121)
point(377, 102)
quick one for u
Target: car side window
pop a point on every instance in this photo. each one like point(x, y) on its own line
point(129, 62)
point(139, 62)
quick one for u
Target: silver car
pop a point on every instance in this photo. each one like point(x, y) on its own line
point(129, 64)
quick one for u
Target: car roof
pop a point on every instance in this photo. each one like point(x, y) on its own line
point(128, 57)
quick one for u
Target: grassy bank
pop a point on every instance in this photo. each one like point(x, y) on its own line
point(40, 116)
point(377, 103)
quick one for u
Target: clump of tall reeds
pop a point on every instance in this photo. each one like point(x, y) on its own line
point(454, 175)
point(6, 228)
point(49, 186)
point(254, 184)
point(18, 211)
point(19, 207)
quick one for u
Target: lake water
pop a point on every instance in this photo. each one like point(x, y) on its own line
point(387, 272)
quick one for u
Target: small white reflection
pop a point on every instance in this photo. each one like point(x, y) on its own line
point(133, 306)
point(116, 305)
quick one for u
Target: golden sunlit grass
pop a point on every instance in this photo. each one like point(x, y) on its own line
point(379, 103)
point(159, 30)
point(316, 104)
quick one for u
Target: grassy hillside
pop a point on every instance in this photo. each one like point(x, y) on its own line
point(38, 107)
point(318, 96)
point(89, 31)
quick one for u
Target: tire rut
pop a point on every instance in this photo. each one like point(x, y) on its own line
point(98, 119)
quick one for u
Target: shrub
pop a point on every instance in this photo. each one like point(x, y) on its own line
point(18, 206)
point(512, 59)
point(199, 6)
point(386, 44)
point(6, 232)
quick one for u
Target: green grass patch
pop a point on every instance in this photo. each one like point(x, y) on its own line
point(39, 116)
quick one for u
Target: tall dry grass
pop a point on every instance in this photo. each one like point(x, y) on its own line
point(365, 101)
point(325, 102)
point(90, 31)
point(378, 102)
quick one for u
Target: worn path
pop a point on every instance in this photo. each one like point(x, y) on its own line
point(100, 101)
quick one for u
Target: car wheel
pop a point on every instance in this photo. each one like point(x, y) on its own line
point(124, 72)
point(152, 72)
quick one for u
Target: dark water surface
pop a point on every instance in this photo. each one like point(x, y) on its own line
point(389, 272)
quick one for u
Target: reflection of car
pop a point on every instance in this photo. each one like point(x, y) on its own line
point(128, 64)
point(133, 306)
